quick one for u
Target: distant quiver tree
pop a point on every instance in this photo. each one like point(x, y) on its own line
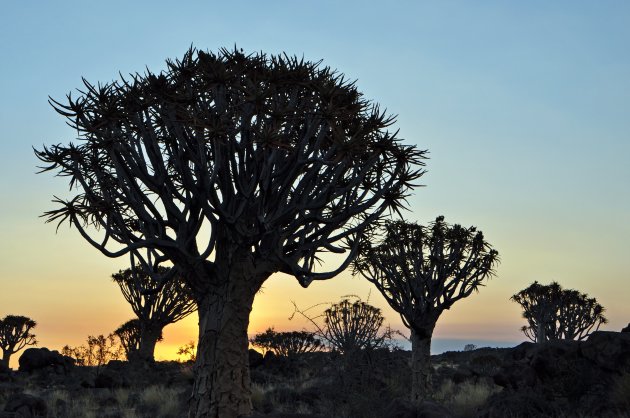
point(348, 326)
point(554, 313)
point(231, 167)
point(352, 326)
point(421, 271)
point(156, 304)
point(15, 334)
point(129, 335)
point(288, 343)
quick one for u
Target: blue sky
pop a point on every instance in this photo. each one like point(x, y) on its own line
point(524, 107)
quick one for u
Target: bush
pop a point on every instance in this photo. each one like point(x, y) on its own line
point(98, 351)
point(287, 344)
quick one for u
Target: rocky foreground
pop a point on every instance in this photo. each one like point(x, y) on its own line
point(556, 379)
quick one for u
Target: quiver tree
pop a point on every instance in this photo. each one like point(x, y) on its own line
point(353, 326)
point(421, 271)
point(287, 344)
point(15, 334)
point(554, 313)
point(156, 304)
point(348, 327)
point(129, 335)
point(231, 167)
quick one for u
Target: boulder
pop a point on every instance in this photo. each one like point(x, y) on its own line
point(255, 358)
point(609, 350)
point(41, 358)
point(26, 406)
point(525, 403)
point(109, 379)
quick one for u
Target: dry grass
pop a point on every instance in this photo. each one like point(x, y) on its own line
point(466, 398)
point(164, 401)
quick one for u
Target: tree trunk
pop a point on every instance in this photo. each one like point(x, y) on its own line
point(6, 356)
point(146, 350)
point(420, 362)
point(222, 381)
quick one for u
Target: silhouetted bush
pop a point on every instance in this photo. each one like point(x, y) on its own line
point(287, 344)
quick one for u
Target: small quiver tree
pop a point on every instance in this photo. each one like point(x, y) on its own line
point(353, 326)
point(231, 167)
point(129, 335)
point(287, 344)
point(554, 313)
point(421, 271)
point(348, 326)
point(156, 304)
point(15, 334)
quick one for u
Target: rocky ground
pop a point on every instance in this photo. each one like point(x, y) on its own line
point(558, 379)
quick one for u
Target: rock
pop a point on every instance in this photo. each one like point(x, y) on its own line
point(609, 350)
point(519, 404)
point(429, 409)
point(270, 356)
point(516, 376)
point(41, 358)
point(108, 379)
point(626, 329)
point(255, 358)
point(26, 406)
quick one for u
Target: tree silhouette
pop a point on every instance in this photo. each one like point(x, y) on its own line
point(129, 335)
point(421, 271)
point(155, 304)
point(231, 167)
point(288, 343)
point(348, 327)
point(353, 326)
point(97, 352)
point(554, 313)
point(15, 334)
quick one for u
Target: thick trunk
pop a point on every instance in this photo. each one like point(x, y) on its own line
point(6, 356)
point(420, 363)
point(222, 382)
point(146, 349)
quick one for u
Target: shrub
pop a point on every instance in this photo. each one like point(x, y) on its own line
point(98, 351)
point(287, 344)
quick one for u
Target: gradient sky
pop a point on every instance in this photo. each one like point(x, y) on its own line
point(524, 107)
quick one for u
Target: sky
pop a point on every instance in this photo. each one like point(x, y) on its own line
point(523, 106)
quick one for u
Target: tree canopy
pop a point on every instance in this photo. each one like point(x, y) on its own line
point(273, 153)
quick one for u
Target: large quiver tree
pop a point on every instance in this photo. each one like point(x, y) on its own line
point(554, 313)
point(232, 167)
point(421, 271)
point(156, 305)
point(15, 334)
